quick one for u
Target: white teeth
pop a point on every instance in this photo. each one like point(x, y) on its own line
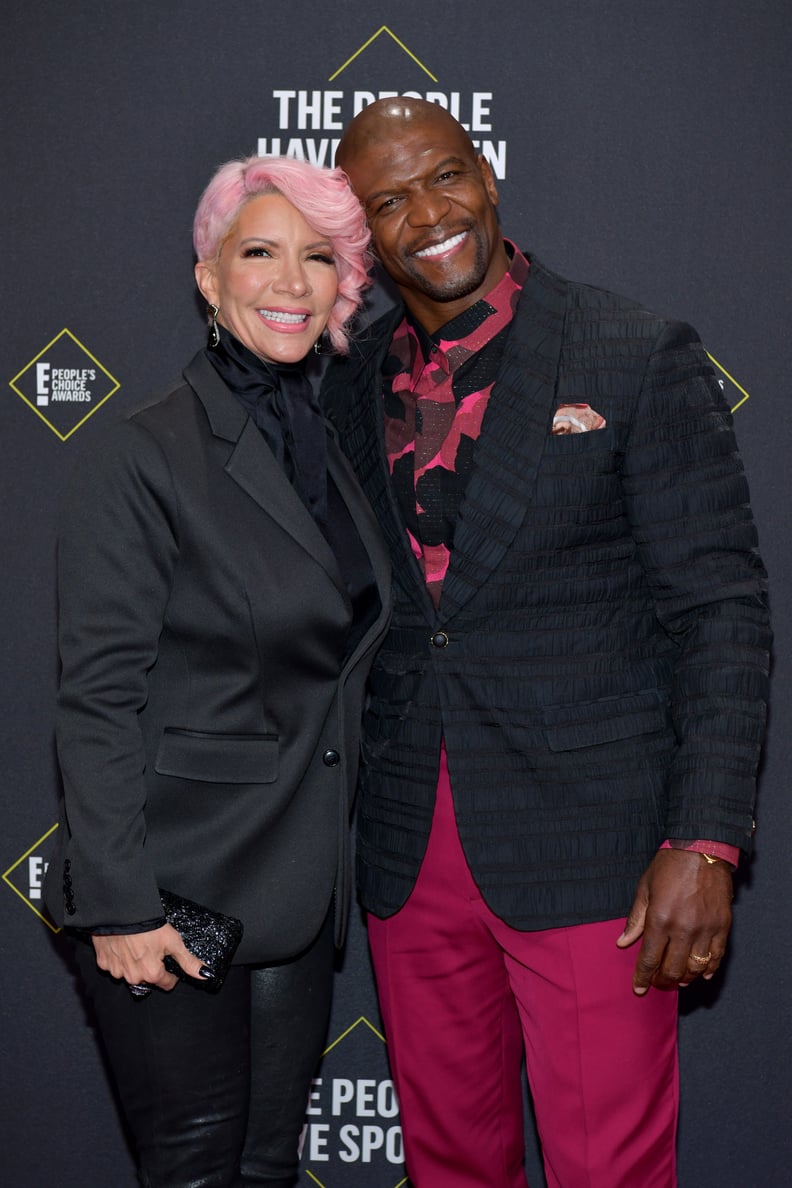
point(437, 248)
point(279, 315)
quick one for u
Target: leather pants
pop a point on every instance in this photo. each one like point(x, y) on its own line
point(214, 1086)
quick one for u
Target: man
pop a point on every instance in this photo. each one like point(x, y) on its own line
point(565, 718)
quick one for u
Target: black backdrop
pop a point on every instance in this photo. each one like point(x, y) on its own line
point(641, 147)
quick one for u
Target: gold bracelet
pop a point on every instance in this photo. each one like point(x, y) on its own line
point(709, 858)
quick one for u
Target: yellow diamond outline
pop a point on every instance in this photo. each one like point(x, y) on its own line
point(739, 387)
point(52, 927)
point(350, 1029)
point(92, 357)
point(329, 1048)
point(373, 38)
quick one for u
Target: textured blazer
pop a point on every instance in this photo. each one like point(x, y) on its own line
point(208, 725)
point(597, 666)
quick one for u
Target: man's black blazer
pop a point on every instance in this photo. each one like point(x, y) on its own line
point(597, 667)
point(207, 740)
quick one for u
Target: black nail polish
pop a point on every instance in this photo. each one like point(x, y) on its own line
point(205, 972)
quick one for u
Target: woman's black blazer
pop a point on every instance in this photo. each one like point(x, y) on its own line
point(208, 734)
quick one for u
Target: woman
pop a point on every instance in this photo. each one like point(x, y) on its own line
point(219, 610)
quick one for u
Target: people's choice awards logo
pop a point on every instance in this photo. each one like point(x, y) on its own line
point(310, 122)
point(64, 384)
point(26, 875)
point(352, 1127)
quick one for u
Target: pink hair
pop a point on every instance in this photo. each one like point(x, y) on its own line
point(325, 200)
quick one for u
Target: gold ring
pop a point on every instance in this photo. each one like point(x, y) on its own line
point(700, 960)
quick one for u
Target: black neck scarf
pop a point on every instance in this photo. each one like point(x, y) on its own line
point(281, 401)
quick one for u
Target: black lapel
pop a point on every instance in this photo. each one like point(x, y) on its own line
point(253, 466)
point(371, 537)
point(513, 435)
point(353, 395)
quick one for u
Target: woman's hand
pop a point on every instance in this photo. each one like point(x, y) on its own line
point(137, 957)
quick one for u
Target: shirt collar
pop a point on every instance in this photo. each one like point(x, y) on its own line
point(472, 329)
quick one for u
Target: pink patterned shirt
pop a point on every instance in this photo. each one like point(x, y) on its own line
point(439, 387)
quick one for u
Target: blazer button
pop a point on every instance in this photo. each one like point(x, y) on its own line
point(331, 758)
point(439, 640)
point(71, 909)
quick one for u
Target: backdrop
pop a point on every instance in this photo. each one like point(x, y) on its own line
point(643, 147)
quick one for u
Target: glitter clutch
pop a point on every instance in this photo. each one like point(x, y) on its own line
point(209, 935)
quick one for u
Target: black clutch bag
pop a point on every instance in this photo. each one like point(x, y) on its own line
point(211, 936)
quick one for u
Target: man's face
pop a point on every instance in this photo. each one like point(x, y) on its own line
point(430, 203)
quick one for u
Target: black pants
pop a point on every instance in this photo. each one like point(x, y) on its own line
point(214, 1086)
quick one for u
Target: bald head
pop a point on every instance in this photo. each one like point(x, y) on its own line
point(387, 119)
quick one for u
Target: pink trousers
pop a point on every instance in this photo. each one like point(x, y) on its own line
point(464, 996)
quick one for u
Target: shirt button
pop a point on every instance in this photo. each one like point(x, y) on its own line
point(331, 758)
point(439, 640)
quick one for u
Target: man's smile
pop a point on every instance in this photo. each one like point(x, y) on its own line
point(440, 249)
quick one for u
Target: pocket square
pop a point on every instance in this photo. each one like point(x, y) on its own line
point(576, 418)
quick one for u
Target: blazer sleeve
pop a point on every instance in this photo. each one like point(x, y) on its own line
point(117, 553)
point(688, 503)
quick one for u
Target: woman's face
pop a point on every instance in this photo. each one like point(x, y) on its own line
point(275, 280)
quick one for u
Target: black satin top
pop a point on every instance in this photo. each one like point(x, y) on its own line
point(281, 401)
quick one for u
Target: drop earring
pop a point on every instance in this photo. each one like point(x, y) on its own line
point(214, 334)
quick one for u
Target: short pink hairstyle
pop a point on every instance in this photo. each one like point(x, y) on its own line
point(323, 197)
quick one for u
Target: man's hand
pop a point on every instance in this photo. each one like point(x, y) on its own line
point(137, 957)
point(682, 909)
